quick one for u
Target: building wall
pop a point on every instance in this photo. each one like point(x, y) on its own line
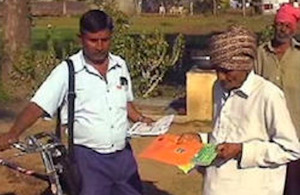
point(127, 6)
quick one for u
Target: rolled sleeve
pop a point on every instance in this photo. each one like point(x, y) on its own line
point(51, 93)
point(247, 158)
point(253, 154)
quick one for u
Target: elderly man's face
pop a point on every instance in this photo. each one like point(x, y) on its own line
point(283, 32)
point(231, 79)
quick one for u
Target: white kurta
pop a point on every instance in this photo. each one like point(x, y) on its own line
point(255, 115)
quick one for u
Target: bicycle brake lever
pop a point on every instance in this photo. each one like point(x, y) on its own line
point(20, 146)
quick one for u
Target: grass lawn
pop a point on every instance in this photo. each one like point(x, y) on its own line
point(190, 25)
point(196, 25)
point(196, 28)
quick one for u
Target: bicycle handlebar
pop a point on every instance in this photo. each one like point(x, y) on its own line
point(50, 148)
point(38, 143)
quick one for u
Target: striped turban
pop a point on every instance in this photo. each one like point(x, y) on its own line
point(234, 49)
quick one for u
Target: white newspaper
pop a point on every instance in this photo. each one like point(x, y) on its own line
point(159, 127)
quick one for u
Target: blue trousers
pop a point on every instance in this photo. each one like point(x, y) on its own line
point(108, 174)
point(292, 182)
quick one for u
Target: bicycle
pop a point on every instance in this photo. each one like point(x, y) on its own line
point(51, 150)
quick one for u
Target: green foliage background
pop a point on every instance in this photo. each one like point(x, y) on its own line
point(51, 45)
point(149, 57)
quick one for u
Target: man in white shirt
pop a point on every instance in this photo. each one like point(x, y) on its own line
point(103, 105)
point(253, 131)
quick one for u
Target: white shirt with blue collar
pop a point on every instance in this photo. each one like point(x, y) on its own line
point(255, 115)
point(100, 120)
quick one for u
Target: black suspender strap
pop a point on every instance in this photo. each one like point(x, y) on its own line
point(58, 124)
point(70, 175)
point(71, 102)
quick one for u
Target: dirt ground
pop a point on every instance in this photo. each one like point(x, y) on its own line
point(158, 178)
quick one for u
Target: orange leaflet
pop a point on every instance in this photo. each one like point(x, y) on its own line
point(166, 149)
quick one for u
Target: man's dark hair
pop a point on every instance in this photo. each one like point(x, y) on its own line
point(94, 21)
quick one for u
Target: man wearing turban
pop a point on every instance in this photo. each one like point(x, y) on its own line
point(252, 128)
point(279, 62)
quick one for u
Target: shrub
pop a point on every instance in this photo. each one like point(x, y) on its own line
point(32, 68)
point(266, 34)
point(149, 56)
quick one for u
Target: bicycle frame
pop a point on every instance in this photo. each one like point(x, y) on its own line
point(22, 170)
point(50, 148)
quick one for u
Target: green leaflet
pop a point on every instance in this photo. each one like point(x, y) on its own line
point(205, 156)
